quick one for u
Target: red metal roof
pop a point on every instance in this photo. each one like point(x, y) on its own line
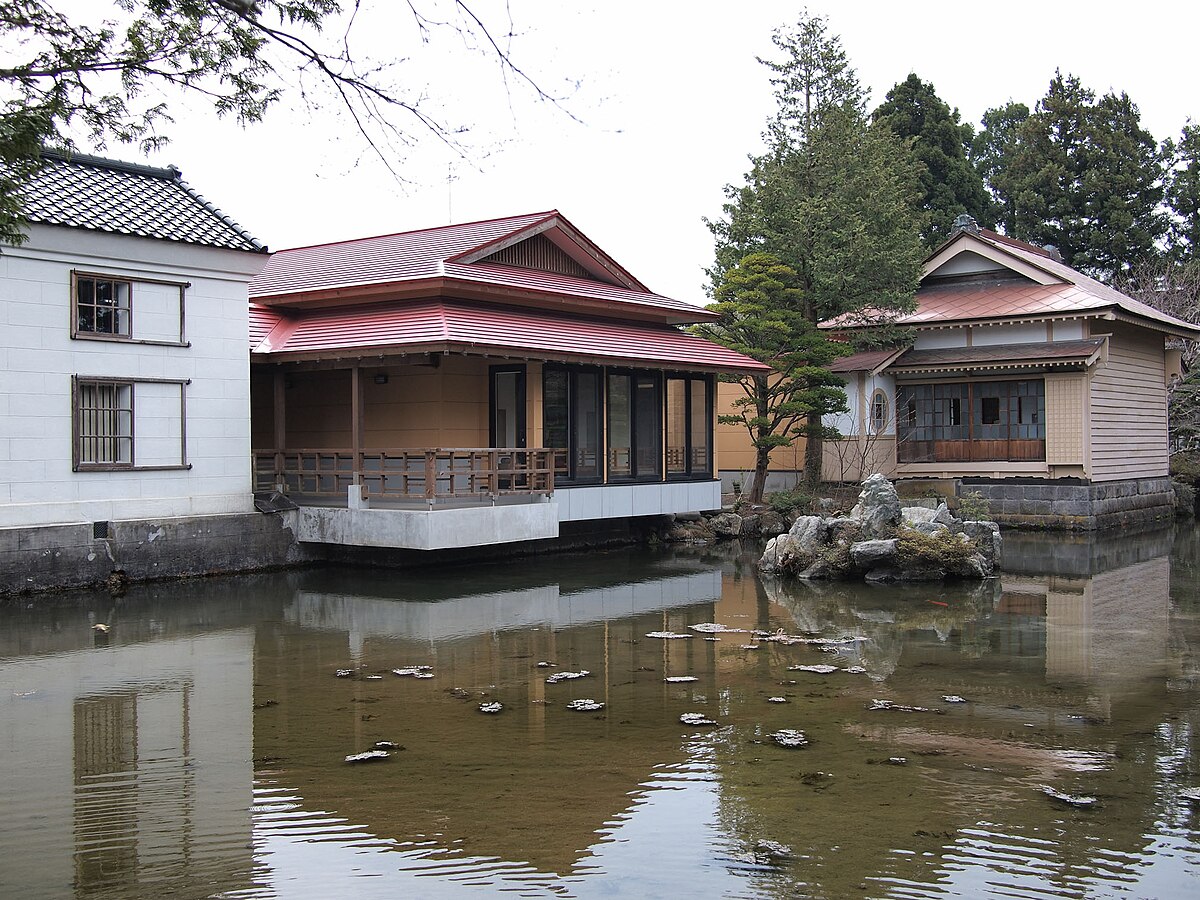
point(1012, 296)
point(426, 261)
point(262, 320)
point(866, 361)
point(448, 326)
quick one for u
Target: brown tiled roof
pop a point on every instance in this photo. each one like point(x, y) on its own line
point(1050, 353)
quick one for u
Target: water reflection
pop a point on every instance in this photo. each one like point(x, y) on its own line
point(199, 752)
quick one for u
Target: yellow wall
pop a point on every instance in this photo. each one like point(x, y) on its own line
point(736, 452)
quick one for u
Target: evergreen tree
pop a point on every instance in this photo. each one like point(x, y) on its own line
point(1083, 175)
point(1183, 197)
point(951, 186)
point(991, 151)
point(761, 307)
point(833, 198)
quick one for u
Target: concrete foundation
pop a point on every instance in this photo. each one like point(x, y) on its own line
point(57, 557)
point(1031, 503)
point(439, 529)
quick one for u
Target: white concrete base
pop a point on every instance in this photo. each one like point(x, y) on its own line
point(439, 529)
point(620, 501)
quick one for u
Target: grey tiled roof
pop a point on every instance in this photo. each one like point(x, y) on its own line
point(99, 194)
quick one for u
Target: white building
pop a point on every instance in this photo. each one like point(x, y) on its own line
point(125, 389)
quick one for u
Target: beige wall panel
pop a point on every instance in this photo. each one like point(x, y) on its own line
point(853, 460)
point(1128, 406)
point(735, 452)
point(318, 409)
point(1066, 405)
point(533, 404)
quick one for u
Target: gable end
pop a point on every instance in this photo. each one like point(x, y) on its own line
point(540, 253)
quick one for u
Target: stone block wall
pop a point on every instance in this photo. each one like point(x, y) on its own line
point(58, 557)
point(1082, 507)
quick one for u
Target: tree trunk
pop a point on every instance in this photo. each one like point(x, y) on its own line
point(814, 454)
point(762, 461)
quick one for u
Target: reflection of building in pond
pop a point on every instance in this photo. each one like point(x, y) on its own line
point(1067, 680)
point(129, 768)
point(536, 784)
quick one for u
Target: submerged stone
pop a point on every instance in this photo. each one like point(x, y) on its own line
point(586, 704)
point(695, 718)
point(491, 708)
point(368, 756)
point(790, 737)
point(414, 671)
point(567, 676)
point(1080, 801)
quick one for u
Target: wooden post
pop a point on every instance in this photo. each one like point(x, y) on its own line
point(356, 421)
point(279, 407)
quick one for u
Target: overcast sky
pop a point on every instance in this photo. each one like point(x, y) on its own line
point(670, 101)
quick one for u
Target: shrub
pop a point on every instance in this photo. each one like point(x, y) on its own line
point(974, 507)
point(946, 551)
point(783, 502)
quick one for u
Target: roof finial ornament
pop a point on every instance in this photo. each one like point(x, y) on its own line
point(965, 222)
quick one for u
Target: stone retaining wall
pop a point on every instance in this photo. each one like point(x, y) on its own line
point(58, 557)
point(1083, 507)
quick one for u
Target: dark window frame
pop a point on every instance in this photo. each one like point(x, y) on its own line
point(567, 475)
point(522, 403)
point(634, 476)
point(79, 459)
point(691, 471)
point(78, 333)
point(935, 429)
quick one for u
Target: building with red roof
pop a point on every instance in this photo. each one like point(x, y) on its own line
point(1027, 381)
point(475, 384)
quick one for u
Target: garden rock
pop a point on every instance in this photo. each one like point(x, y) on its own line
point(726, 525)
point(879, 505)
point(987, 536)
point(873, 554)
point(771, 524)
point(878, 542)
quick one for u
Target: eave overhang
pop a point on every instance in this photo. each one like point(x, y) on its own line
point(1035, 357)
point(452, 287)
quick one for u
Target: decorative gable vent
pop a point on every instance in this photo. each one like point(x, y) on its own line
point(541, 253)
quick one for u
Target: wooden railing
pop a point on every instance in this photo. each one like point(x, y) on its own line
point(428, 474)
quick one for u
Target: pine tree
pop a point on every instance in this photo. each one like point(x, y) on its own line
point(833, 198)
point(762, 315)
point(940, 141)
point(1083, 175)
point(1183, 197)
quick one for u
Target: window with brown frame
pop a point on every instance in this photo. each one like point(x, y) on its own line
point(110, 432)
point(103, 306)
point(972, 421)
point(103, 424)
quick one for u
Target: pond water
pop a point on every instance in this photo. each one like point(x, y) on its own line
point(198, 748)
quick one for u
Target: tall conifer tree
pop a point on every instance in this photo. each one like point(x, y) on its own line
point(1080, 173)
point(832, 197)
point(940, 142)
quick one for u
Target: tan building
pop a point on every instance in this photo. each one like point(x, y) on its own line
point(486, 383)
point(1027, 381)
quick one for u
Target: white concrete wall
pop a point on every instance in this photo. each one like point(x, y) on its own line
point(1025, 333)
point(939, 338)
point(577, 504)
point(38, 359)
